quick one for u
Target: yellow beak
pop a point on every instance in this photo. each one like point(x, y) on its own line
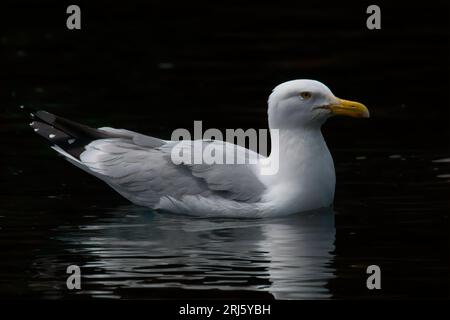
point(349, 108)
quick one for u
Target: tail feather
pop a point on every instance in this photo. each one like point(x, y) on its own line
point(67, 135)
point(70, 144)
point(72, 128)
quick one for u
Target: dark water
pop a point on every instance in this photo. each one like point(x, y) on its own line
point(156, 67)
point(128, 252)
point(391, 210)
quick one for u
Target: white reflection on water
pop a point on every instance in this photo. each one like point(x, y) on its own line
point(131, 248)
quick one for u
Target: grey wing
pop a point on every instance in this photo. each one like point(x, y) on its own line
point(141, 169)
point(235, 182)
point(140, 174)
point(137, 138)
point(238, 180)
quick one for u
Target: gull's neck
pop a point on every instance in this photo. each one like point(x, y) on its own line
point(305, 179)
point(298, 148)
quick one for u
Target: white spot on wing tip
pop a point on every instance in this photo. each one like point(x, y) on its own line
point(70, 141)
point(51, 136)
point(36, 130)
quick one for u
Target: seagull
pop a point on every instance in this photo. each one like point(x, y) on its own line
point(141, 167)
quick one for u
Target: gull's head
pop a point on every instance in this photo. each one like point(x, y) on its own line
point(308, 103)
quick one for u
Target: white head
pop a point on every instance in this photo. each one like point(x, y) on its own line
point(308, 103)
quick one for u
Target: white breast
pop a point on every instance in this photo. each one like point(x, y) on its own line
point(306, 177)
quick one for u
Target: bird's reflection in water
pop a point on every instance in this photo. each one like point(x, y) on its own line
point(131, 249)
point(299, 251)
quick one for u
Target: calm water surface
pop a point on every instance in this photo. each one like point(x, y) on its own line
point(129, 251)
point(391, 210)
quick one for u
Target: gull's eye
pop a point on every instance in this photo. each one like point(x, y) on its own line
point(305, 94)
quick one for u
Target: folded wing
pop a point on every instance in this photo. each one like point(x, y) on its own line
point(142, 169)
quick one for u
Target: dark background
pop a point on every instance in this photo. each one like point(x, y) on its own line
point(154, 66)
point(172, 62)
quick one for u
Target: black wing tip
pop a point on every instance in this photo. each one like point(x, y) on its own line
point(43, 124)
point(54, 136)
point(69, 135)
point(50, 133)
point(42, 114)
point(46, 116)
point(30, 111)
